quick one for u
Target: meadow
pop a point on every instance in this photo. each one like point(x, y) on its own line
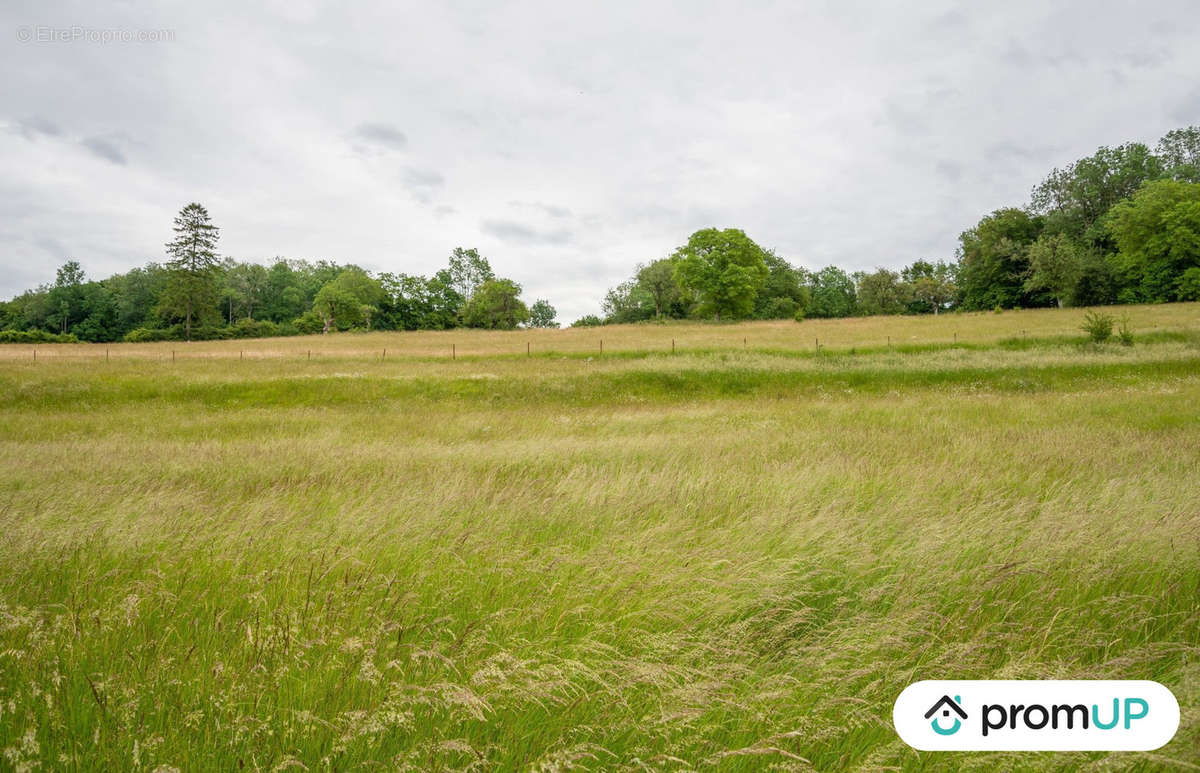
point(307, 554)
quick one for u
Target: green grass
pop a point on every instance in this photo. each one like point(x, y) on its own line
point(724, 559)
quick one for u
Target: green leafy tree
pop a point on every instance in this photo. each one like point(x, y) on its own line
point(931, 286)
point(657, 280)
point(193, 268)
point(783, 293)
point(468, 270)
point(136, 294)
point(627, 302)
point(1055, 265)
point(934, 292)
point(408, 300)
point(1157, 233)
point(249, 282)
point(1189, 285)
point(100, 318)
point(336, 308)
point(724, 269)
point(282, 297)
point(66, 297)
point(1074, 199)
point(31, 310)
point(881, 292)
point(994, 260)
point(496, 305)
point(349, 300)
point(832, 293)
point(446, 303)
point(1099, 280)
point(542, 314)
point(1179, 150)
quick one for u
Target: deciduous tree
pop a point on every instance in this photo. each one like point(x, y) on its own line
point(1157, 233)
point(724, 268)
point(1055, 265)
point(542, 314)
point(496, 305)
point(657, 279)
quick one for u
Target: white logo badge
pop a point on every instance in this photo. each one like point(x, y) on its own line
point(995, 715)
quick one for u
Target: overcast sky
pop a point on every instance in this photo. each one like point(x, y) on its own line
point(567, 141)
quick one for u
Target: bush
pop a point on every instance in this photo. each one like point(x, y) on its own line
point(780, 307)
point(254, 328)
point(141, 335)
point(588, 320)
point(1124, 334)
point(1099, 327)
point(1189, 285)
point(308, 323)
point(36, 337)
point(209, 333)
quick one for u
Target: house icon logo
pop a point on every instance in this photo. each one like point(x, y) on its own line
point(945, 706)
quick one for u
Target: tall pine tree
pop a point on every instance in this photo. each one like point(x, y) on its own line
point(193, 280)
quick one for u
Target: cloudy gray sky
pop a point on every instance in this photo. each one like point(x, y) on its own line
point(567, 141)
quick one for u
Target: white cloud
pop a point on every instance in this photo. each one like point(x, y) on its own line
point(566, 140)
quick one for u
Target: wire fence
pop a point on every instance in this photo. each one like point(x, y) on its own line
point(453, 351)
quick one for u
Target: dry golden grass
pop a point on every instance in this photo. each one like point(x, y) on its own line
point(964, 328)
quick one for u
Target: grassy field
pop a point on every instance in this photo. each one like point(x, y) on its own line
point(731, 558)
point(980, 328)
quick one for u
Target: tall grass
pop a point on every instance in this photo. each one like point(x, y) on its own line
point(729, 560)
point(980, 328)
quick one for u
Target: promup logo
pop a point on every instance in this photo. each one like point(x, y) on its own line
point(1036, 715)
point(948, 704)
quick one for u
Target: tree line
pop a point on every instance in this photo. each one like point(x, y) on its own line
point(1120, 226)
point(196, 294)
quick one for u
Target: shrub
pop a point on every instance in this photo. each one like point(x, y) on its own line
point(1099, 327)
point(1124, 334)
point(1189, 285)
point(210, 333)
point(588, 320)
point(36, 337)
point(780, 307)
point(308, 323)
point(141, 335)
point(255, 328)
